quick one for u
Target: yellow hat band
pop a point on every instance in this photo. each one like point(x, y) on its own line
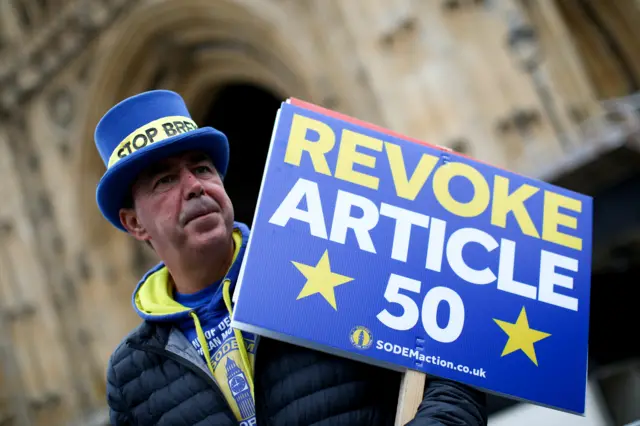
point(155, 131)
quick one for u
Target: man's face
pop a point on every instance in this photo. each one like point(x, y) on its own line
point(180, 203)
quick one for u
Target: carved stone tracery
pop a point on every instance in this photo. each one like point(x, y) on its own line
point(52, 47)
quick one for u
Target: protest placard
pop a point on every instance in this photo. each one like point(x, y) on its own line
point(386, 250)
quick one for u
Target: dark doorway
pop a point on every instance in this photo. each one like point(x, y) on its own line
point(246, 114)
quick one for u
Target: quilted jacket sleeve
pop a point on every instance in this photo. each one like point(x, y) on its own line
point(118, 410)
point(450, 403)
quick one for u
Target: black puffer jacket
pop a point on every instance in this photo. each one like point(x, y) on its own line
point(155, 377)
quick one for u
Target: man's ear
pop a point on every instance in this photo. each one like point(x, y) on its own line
point(129, 219)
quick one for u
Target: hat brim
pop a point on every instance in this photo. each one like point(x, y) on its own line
point(116, 183)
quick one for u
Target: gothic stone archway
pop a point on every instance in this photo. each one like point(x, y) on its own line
point(201, 50)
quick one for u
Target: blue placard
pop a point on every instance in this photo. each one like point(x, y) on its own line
point(399, 254)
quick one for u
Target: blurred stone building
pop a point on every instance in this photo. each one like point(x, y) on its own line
point(547, 88)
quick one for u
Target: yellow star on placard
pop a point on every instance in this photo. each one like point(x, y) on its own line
point(321, 280)
point(521, 336)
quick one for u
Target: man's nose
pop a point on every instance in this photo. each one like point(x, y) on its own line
point(193, 188)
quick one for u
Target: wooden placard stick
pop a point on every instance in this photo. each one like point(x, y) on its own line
point(410, 397)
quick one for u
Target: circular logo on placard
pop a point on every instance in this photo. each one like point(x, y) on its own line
point(361, 337)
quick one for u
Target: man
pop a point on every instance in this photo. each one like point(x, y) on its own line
point(184, 365)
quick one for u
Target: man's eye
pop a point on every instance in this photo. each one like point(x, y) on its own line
point(202, 170)
point(165, 180)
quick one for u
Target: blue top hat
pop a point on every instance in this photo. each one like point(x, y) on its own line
point(142, 130)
